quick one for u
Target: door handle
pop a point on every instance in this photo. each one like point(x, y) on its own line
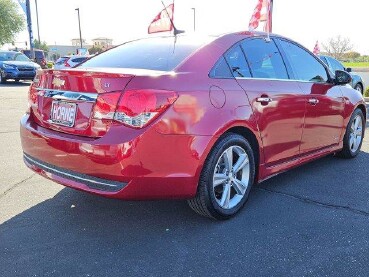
point(264, 100)
point(313, 101)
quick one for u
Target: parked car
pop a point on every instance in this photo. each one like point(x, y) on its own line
point(39, 57)
point(189, 118)
point(333, 64)
point(69, 61)
point(15, 65)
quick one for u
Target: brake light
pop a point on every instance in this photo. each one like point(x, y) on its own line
point(66, 64)
point(105, 106)
point(135, 108)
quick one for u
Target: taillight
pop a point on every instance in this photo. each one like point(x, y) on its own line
point(32, 98)
point(136, 108)
point(66, 64)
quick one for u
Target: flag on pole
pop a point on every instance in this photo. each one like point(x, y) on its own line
point(163, 21)
point(23, 5)
point(316, 50)
point(262, 13)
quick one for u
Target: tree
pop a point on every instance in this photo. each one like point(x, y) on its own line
point(95, 50)
point(337, 46)
point(352, 55)
point(11, 22)
point(42, 45)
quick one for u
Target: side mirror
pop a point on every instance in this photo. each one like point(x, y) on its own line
point(342, 77)
point(349, 69)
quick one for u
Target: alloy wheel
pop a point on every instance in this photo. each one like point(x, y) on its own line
point(231, 177)
point(356, 134)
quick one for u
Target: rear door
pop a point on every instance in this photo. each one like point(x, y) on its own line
point(325, 102)
point(278, 103)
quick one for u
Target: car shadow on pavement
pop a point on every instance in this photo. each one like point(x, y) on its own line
point(78, 234)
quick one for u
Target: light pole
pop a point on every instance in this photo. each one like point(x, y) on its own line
point(38, 27)
point(79, 24)
point(194, 19)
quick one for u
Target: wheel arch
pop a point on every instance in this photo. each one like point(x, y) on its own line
point(248, 134)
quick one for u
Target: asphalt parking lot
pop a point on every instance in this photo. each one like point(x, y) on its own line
point(311, 221)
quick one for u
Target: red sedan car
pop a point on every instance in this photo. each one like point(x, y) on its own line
point(201, 119)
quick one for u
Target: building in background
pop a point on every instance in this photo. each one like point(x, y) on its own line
point(103, 43)
point(76, 42)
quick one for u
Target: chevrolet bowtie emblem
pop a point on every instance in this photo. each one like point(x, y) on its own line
point(58, 82)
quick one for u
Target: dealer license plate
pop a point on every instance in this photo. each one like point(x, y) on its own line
point(63, 113)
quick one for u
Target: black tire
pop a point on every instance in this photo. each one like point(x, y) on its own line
point(346, 151)
point(359, 88)
point(16, 80)
point(2, 79)
point(205, 202)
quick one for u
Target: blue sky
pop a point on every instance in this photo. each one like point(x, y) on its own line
point(121, 20)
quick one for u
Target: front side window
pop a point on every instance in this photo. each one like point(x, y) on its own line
point(264, 59)
point(304, 65)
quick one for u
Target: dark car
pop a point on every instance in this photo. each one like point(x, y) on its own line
point(39, 57)
point(189, 118)
point(17, 66)
point(333, 64)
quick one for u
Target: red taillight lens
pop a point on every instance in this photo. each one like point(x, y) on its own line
point(66, 64)
point(106, 105)
point(136, 108)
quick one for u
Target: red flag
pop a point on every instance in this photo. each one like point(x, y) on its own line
point(262, 13)
point(163, 21)
point(316, 50)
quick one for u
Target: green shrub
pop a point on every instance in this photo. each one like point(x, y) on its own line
point(366, 93)
point(50, 64)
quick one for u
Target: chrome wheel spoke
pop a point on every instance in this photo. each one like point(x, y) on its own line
point(239, 187)
point(226, 196)
point(231, 177)
point(228, 158)
point(241, 163)
point(219, 179)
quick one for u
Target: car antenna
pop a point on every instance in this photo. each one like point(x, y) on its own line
point(175, 30)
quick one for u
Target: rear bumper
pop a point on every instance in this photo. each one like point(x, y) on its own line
point(125, 163)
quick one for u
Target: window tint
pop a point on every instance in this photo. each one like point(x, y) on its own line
point(237, 62)
point(79, 60)
point(153, 53)
point(335, 65)
point(305, 66)
point(264, 59)
point(221, 70)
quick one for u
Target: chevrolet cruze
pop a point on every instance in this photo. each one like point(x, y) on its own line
point(196, 118)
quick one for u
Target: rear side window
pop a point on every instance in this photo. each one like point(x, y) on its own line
point(221, 70)
point(264, 59)
point(304, 65)
point(237, 62)
point(163, 53)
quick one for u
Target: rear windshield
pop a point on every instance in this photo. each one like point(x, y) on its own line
point(160, 53)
